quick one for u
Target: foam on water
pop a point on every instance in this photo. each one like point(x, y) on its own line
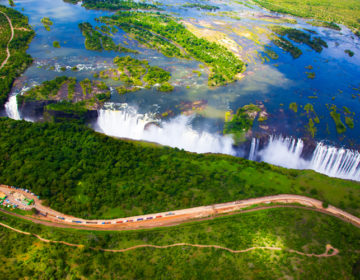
point(11, 108)
point(126, 122)
point(326, 159)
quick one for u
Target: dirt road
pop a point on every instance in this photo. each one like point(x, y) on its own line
point(8, 44)
point(54, 218)
point(329, 252)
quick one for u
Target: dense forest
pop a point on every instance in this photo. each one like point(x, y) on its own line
point(84, 173)
point(137, 74)
point(24, 257)
point(19, 59)
point(164, 33)
point(98, 41)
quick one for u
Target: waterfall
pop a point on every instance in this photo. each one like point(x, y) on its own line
point(336, 162)
point(254, 149)
point(126, 122)
point(11, 108)
point(286, 152)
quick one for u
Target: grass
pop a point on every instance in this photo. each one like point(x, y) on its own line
point(343, 12)
point(296, 229)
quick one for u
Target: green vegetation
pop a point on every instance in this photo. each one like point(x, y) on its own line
point(197, 72)
point(232, 14)
point(302, 230)
point(69, 111)
point(349, 122)
point(320, 23)
point(311, 128)
point(46, 89)
point(67, 92)
point(137, 74)
point(340, 127)
point(240, 123)
point(310, 75)
point(56, 44)
point(313, 118)
point(156, 75)
point(272, 54)
point(344, 12)
point(11, 3)
point(293, 106)
point(96, 41)
point(309, 108)
point(165, 34)
point(116, 5)
point(166, 87)
point(47, 23)
point(298, 36)
point(60, 161)
point(201, 6)
point(350, 53)
point(286, 45)
point(349, 117)
point(19, 60)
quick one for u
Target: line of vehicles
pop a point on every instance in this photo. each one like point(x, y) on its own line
point(45, 214)
point(110, 222)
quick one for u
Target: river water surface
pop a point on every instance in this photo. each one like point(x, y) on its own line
point(274, 84)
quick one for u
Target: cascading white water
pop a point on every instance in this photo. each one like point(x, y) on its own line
point(177, 132)
point(253, 149)
point(11, 108)
point(341, 163)
point(328, 160)
point(284, 151)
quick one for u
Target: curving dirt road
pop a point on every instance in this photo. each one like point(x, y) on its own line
point(57, 219)
point(8, 44)
point(329, 252)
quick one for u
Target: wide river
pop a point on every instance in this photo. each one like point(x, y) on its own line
point(273, 83)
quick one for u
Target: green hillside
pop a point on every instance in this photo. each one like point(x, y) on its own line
point(289, 229)
point(84, 173)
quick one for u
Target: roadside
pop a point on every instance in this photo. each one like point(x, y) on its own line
point(51, 217)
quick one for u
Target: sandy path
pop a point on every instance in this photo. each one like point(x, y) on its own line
point(8, 44)
point(334, 251)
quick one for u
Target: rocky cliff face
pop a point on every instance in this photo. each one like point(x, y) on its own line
point(58, 116)
point(37, 111)
point(33, 110)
